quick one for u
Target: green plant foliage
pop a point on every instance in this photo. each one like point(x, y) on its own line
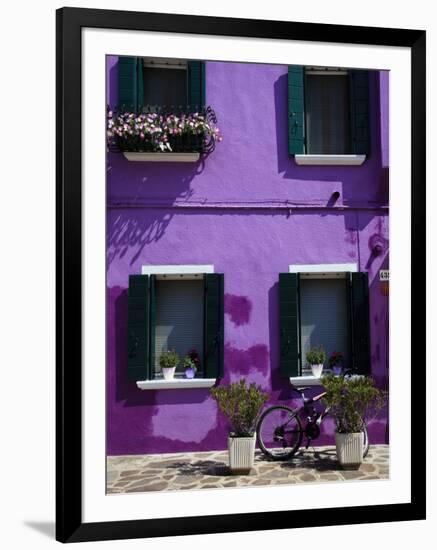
point(241, 404)
point(188, 363)
point(351, 400)
point(316, 356)
point(168, 359)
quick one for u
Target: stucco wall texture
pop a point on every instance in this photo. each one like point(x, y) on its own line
point(249, 210)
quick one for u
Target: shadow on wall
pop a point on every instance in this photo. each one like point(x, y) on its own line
point(156, 188)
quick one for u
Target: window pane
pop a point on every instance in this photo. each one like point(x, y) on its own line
point(324, 318)
point(327, 114)
point(179, 318)
point(165, 86)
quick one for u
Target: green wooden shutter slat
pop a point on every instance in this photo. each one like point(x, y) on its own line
point(359, 301)
point(214, 325)
point(138, 326)
point(127, 84)
point(289, 324)
point(359, 92)
point(196, 85)
point(296, 110)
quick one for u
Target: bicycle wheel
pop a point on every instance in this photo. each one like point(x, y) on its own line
point(279, 432)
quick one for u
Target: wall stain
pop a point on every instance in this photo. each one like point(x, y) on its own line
point(246, 361)
point(238, 308)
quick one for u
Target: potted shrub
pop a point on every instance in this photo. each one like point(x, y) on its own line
point(241, 404)
point(168, 361)
point(335, 362)
point(351, 400)
point(191, 363)
point(316, 356)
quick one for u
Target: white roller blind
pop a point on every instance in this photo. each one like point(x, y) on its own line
point(179, 317)
point(324, 319)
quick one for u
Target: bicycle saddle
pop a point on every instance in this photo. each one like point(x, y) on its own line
point(309, 400)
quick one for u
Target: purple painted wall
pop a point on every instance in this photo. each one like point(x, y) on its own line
point(251, 211)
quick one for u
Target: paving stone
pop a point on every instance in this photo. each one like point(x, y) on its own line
point(152, 487)
point(111, 477)
point(351, 474)
point(367, 468)
point(209, 486)
point(129, 473)
point(261, 482)
point(307, 477)
point(182, 480)
point(330, 477)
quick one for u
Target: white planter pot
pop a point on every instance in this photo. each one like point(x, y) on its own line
point(241, 454)
point(317, 370)
point(350, 450)
point(168, 373)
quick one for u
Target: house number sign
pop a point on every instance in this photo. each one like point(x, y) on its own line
point(384, 275)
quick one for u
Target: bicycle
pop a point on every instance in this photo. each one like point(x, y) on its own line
point(281, 425)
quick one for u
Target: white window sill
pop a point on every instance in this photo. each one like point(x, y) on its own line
point(161, 157)
point(330, 160)
point(307, 380)
point(310, 380)
point(176, 383)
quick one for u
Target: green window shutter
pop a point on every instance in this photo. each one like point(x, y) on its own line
point(359, 100)
point(289, 324)
point(138, 327)
point(130, 84)
point(127, 84)
point(196, 85)
point(296, 110)
point(360, 329)
point(214, 325)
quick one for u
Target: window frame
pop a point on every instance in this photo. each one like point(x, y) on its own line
point(176, 272)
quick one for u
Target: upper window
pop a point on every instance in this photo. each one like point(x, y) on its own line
point(328, 111)
point(170, 84)
point(165, 83)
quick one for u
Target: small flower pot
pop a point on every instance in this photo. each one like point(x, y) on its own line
point(317, 370)
point(241, 454)
point(337, 370)
point(349, 449)
point(168, 373)
point(190, 373)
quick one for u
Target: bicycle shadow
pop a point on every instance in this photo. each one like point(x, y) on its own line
point(321, 461)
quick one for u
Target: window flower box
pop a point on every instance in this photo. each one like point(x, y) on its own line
point(163, 136)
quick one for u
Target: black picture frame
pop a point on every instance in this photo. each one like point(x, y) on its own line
point(69, 525)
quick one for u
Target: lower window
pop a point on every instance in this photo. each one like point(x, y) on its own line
point(324, 319)
point(179, 313)
point(327, 310)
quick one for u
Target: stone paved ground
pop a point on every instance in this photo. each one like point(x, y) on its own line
point(208, 470)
